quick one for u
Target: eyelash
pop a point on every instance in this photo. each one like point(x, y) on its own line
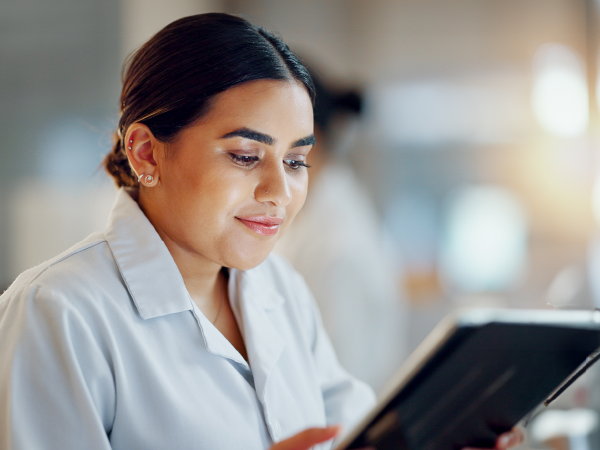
point(249, 161)
point(295, 165)
point(243, 160)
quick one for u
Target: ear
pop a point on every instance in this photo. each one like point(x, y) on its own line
point(143, 150)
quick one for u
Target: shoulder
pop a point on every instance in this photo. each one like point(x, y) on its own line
point(67, 278)
point(31, 275)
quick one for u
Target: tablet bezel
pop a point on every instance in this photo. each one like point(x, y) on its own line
point(446, 329)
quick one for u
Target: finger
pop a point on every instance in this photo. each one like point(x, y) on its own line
point(506, 440)
point(307, 438)
point(510, 439)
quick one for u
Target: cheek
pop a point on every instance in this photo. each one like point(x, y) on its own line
point(216, 200)
point(203, 195)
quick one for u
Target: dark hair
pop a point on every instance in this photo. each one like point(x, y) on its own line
point(330, 103)
point(169, 82)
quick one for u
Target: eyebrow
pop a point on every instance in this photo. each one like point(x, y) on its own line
point(308, 140)
point(247, 133)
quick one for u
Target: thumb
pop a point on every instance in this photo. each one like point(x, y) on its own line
point(307, 438)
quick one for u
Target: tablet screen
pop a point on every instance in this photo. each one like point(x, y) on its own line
point(480, 382)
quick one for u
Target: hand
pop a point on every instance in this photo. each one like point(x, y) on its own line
point(306, 439)
point(506, 440)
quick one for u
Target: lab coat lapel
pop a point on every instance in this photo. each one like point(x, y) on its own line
point(148, 269)
point(216, 343)
point(255, 298)
point(151, 275)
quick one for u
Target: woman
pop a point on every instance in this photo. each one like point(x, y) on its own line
point(174, 328)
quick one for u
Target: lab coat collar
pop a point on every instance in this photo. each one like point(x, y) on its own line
point(251, 297)
point(157, 288)
point(253, 291)
point(148, 269)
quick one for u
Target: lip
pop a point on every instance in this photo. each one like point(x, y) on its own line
point(263, 225)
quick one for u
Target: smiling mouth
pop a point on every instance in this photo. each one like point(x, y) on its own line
point(263, 225)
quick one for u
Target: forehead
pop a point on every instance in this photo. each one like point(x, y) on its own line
point(282, 109)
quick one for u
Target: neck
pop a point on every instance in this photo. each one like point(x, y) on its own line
point(204, 280)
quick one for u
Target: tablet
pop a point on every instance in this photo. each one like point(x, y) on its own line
point(475, 376)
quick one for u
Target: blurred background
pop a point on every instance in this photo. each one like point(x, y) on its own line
point(476, 152)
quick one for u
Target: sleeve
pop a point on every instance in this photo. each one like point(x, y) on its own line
point(56, 385)
point(346, 398)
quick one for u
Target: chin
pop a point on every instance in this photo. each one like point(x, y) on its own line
point(248, 259)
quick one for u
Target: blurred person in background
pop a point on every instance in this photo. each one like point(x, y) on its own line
point(336, 242)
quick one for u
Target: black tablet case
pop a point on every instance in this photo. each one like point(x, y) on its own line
point(481, 382)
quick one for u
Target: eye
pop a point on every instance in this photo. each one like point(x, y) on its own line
point(244, 160)
point(295, 165)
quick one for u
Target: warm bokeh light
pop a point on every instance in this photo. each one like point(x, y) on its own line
point(559, 97)
point(485, 240)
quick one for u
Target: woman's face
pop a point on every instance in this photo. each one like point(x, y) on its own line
point(233, 182)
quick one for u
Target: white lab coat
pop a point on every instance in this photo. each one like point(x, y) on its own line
point(103, 348)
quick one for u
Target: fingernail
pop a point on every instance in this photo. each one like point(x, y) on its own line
point(504, 441)
point(337, 428)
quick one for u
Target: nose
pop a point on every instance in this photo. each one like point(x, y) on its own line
point(274, 186)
